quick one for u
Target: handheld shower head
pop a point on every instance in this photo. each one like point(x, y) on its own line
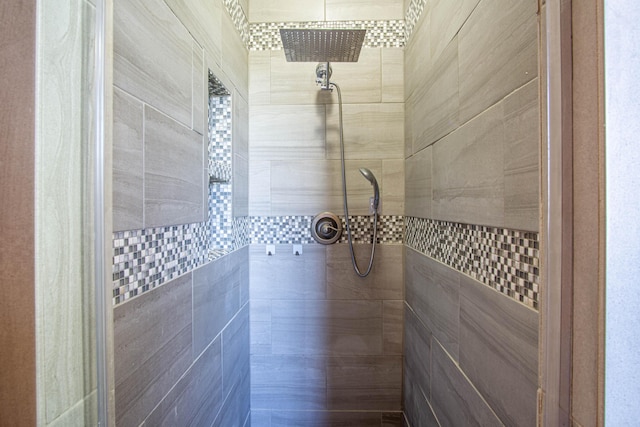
point(376, 190)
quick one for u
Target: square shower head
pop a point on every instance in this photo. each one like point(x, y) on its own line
point(322, 45)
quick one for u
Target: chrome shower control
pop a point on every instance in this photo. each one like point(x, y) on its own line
point(326, 228)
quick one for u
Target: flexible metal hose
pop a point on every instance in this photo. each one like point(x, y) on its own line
point(346, 206)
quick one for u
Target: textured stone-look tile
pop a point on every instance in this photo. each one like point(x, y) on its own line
point(379, 10)
point(446, 19)
point(392, 326)
point(240, 193)
point(325, 419)
point(392, 75)
point(454, 399)
point(288, 382)
point(392, 419)
point(235, 56)
point(235, 351)
point(128, 162)
point(242, 259)
point(216, 290)
point(260, 418)
point(279, 11)
point(199, 90)
point(468, 172)
point(197, 397)
point(371, 131)
point(499, 351)
point(173, 156)
point(259, 77)
point(417, 352)
point(310, 187)
point(240, 123)
point(392, 188)
point(236, 407)
point(418, 184)
point(416, 407)
point(259, 188)
point(364, 383)
point(286, 276)
point(499, 42)
point(417, 54)
point(360, 82)
point(327, 327)
point(152, 340)
point(287, 132)
point(152, 56)
point(522, 158)
point(435, 101)
point(203, 21)
point(433, 292)
point(383, 283)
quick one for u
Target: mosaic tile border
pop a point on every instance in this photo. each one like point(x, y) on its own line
point(506, 260)
point(412, 16)
point(297, 229)
point(266, 35)
point(145, 259)
point(239, 19)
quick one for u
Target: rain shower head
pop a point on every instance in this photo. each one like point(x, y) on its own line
point(322, 45)
point(376, 190)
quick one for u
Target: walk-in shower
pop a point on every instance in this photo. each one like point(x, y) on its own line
point(326, 46)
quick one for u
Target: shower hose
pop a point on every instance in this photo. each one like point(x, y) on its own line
point(346, 206)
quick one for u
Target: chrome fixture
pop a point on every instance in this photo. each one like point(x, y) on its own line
point(326, 228)
point(323, 74)
point(376, 190)
point(322, 45)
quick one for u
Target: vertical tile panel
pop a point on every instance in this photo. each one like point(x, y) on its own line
point(235, 351)
point(436, 101)
point(392, 75)
point(152, 56)
point(468, 172)
point(418, 184)
point(259, 77)
point(522, 158)
point(216, 290)
point(392, 191)
point(417, 352)
point(499, 42)
point(454, 399)
point(499, 351)
point(152, 341)
point(240, 193)
point(199, 90)
point(392, 326)
point(173, 172)
point(235, 57)
point(128, 167)
point(259, 187)
point(433, 292)
point(197, 397)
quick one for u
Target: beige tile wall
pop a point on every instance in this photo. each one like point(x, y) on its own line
point(294, 134)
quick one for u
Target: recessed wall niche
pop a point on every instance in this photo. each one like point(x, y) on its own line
point(220, 221)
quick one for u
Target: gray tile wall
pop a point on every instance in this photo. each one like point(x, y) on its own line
point(324, 340)
point(472, 158)
point(182, 350)
point(181, 326)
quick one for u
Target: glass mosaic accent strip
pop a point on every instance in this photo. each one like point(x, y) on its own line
point(239, 19)
point(145, 259)
point(297, 229)
point(506, 260)
point(266, 35)
point(220, 220)
point(412, 16)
